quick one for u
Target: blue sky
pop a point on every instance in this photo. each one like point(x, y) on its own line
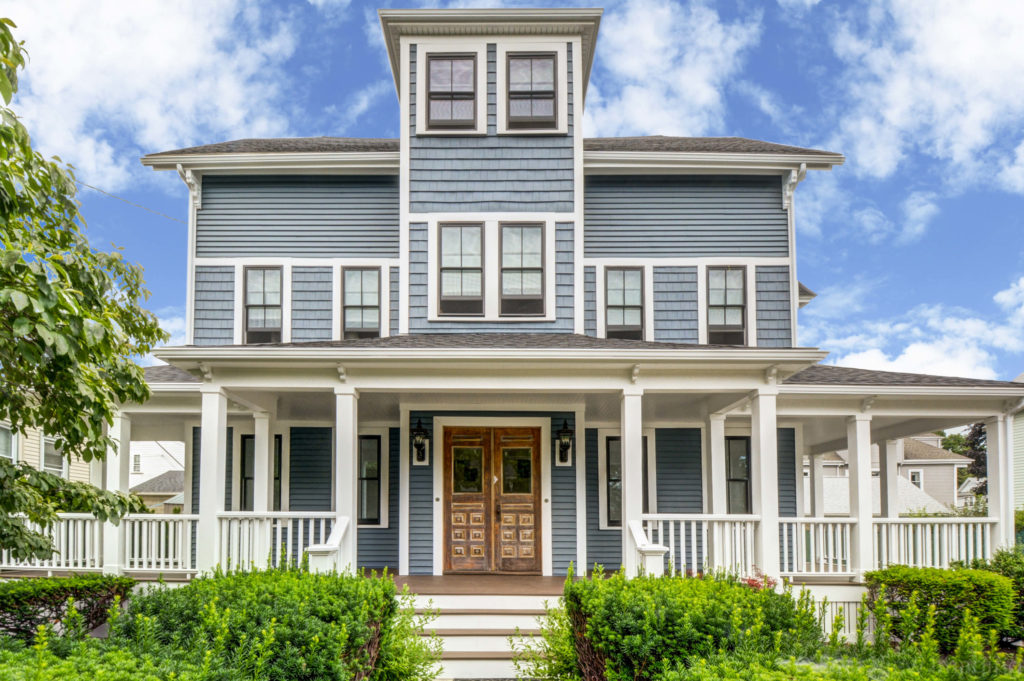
point(915, 246)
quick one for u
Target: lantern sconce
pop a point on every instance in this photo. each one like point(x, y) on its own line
point(564, 438)
point(420, 440)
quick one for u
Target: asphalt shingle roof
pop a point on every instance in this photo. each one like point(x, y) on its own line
point(915, 450)
point(827, 374)
point(165, 373)
point(169, 482)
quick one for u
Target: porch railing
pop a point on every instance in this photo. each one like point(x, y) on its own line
point(704, 543)
point(160, 542)
point(78, 539)
point(255, 538)
point(815, 546)
point(931, 542)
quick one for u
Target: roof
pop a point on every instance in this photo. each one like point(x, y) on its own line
point(805, 292)
point(828, 374)
point(165, 373)
point(909, 497)
point(168, 482)
point(651, 143)
point(915, 450)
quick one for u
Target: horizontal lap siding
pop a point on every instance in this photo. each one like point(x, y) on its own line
point(604, 547)
point(309, 469)
point(679, 489)
point(774, 323)
point(421, 502)
point(395, 276)
point(214, 307)
point(311, 303)
point(590, 300)
point(298, 215)
point(673, 216)
point(378, 547)
point(563, 502)
point(492, 173)
point(787, 472)
point(675, 304)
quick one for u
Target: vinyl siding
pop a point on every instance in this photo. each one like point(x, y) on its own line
point(309, 469)
point(421, 503)
point(378, 547)
point(670, 216)
point(394, 283)
point(197, 451)
point(604, 547)
point(590, 301)
point(786, 443)
point(491, 173)
point(678, 480)
point(214, 307)
point(311, 303)
point(774, 323)
point(564, 296)
point(675, 304)
point(298, 215)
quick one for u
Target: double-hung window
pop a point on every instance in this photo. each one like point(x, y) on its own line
point(613, 480)
point(369, 479)
point(362, 303)
point(624, 302)
point(727, 312)
point(531, 91)
point(738, 474)
point(7, 444)
point(522, 269)
point(262, 304)
point(53, 460)
point(451, 91)
point(462, 271)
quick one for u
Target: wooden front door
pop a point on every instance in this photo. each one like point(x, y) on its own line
point(492, 500)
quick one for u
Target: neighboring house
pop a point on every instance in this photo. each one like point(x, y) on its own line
point(911, 499)
point(163, 493)
point(39, 451)
point(967, 493)
point(153, 458)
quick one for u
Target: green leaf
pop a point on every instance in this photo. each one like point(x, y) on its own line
point(19, 299)
point(22, 326)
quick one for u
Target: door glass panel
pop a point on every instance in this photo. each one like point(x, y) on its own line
point(467, 470)
point(517, 470)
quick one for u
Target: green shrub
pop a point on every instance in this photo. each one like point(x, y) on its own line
point(953, 592)
point(1010, 564)
point(613, 628)
point(287, 624)
point(25, 604)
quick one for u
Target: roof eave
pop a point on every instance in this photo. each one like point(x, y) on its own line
point(859, 389)
point(380, 162)
point(609, 162)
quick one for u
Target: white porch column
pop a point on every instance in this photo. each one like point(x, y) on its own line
point(818, 486)
point(858, 444)
point(889, 455)
point(998, 498)
point(346, 476)
point(632, 472)
point(764, 477)
point(717, 482)
point(213, 444)
point(118, 461)
point(263, 477)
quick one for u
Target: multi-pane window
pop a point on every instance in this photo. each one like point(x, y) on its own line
point(53, 460)
point(531, 91)
point(6, 444)
point(727, 293)
point(462, 273)
point(624, 302)
point(362, 303)
point(738, 474)
point(613, 480)
point(247, 473)
point(916, 478)
point(451, 93)
point(369, 479)
point(522, 270)
point(136, 463)
point(262, 304)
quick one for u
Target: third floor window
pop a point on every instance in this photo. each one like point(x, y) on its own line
point(451, 91)
point(531, 91)
point(462, 272)
point(262, 304)
point(362, 303)
point(727, 312)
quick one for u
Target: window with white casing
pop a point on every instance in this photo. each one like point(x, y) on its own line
point(263, 304)
point(624, 302)
point(727, 294)
point(53, 460)
point(361, 293)
point(916, 477)
point(461, 269)
point(7, 444)
point(522, 269)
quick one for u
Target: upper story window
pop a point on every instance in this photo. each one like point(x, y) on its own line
point(136, 463)
point(362, 303)
point(262, 304)
point(462, 273)
point(451, 91)
point(624, 302)
point(53, 460)
point(7, 444)
point(522, 269)
point(727, 311)
point(531, 91)
point(916, 478)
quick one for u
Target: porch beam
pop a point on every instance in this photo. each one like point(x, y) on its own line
point(905, 429)
point(632, 473)
point(212, 475)
point(118, 476)
point(764, 474)
point(346, 471)
point(888, 477)
point(858, 436)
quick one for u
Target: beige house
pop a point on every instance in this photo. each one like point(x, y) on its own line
point(39, 452)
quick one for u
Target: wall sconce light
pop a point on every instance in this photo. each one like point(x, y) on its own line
point(420, 437)
point(564, 444)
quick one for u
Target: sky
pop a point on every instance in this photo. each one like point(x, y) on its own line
point(915, 246)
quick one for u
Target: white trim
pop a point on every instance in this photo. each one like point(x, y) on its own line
point(286, 303)
point(685, 260)
point(750, 276)
point(43, 440)
point(601, 314)
point(258, 163)
point(580, 426)
point(603, 434)
point(403, 491)
point(544, 423)
point(625, 162)
point(281, 261)
point(190, 274)
point(556, 45)
point(579, 317)
point(425, 46)
point(920, 473)
point(648, 302)
point(383, 432)
point(403, 204)
point(702, 303)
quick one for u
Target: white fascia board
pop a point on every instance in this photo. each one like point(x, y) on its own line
point(873, 390)
point(614, 162)
point(376, 162)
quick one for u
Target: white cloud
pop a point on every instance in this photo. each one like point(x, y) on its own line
point(919, 209)
point(173, 322)
point(663, 67)
point(944, 78)
point(798, 5)
point(842, 300)
point(107, 81)
point(943, 357)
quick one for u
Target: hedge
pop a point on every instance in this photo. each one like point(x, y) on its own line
point(26, 604)
point(1010, 564)
point(987, 596)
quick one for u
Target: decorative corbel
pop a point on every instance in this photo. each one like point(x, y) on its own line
point(789, 185)
point(195, 188)
point(342, 375)
point(634, 375)
point(771, 375)
point(206, 371)
point(867, 403)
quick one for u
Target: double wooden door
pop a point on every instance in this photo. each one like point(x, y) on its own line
point(492, 500)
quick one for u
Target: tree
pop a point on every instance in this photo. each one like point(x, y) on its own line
point(71, 321)
point(973, 446)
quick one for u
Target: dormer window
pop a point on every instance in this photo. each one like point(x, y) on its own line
point(451, 91)
point(531, 91)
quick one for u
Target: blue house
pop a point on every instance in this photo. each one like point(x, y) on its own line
point(494, 348)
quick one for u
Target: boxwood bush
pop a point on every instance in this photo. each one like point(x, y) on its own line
point(1010, 564)
point(26, 604)
point(988, 596)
